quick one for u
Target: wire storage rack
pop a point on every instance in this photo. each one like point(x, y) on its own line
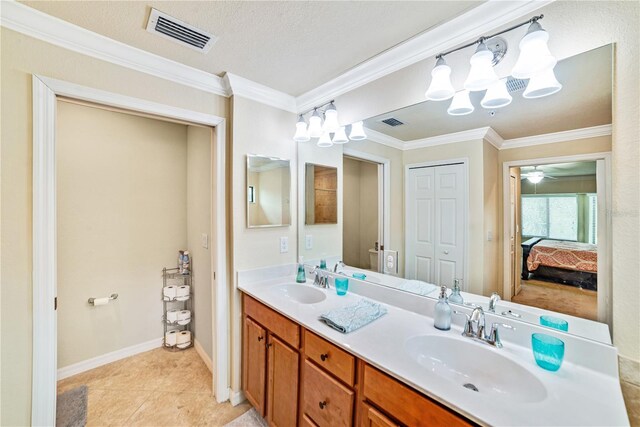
point(177, 301)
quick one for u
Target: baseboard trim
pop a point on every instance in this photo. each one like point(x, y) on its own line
point(95, 362)
point(203, 355)
point(237, 397)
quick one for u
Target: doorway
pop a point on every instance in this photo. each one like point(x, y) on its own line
point(556, 246)
point(46, 92)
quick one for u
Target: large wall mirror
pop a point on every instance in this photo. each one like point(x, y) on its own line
point(268, 192)
point(510, 200)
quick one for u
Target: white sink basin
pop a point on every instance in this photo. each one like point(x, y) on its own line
point(476, 368)
point(302, 294)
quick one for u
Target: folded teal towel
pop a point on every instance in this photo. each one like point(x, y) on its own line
point(417, 287)
point(352, 317)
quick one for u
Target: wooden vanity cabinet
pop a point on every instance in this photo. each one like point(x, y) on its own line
point(371, 417)
point(271, 363)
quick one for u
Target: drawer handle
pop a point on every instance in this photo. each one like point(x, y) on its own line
point(324, 356)
point(260, 338)
point(322, 404)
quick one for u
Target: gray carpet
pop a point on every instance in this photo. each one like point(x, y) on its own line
point(251, 418)
point(71, 408)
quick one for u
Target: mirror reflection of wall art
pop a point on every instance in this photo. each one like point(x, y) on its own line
point(321, 194)
point(268, 192)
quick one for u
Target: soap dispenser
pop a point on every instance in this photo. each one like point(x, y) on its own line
point(455, 296)
point(442, 314)
point(301, 277)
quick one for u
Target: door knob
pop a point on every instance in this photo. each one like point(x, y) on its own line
point(446, 252)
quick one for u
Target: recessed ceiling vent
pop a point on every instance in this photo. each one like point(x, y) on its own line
point(392, 122)
point(187, 35)
point(514, 85)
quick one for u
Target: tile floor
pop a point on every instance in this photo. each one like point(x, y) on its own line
point(560, 298)
point(156, 388)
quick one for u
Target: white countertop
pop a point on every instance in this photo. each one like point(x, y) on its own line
point(578, 394)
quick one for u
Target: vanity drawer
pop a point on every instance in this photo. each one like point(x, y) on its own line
point(371, 417)
point(333, 359)
point(406, 405)
point(276, 323)
point(325, 401)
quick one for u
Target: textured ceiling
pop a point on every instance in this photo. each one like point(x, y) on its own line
point(292, 46)
point(584, 101)
point(563, 169)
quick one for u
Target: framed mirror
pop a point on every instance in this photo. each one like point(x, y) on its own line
point(268, 191)
point(321, 194)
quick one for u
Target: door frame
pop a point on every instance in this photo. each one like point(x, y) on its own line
point(384, 209)
point(44, 275)
point(604, 225)
point(446, 162)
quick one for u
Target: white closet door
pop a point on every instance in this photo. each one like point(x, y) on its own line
point(449, 224)
point(420, 224)
point(435, 224)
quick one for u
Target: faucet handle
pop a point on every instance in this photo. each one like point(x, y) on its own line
point(494, 336)
point(468, 325)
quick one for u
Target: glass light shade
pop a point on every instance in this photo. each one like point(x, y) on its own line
point(315, 125)
point(331, 119)
point(325, 140)
point(301, 131)
point(534, 53)
point(440, 88)
point(542, 84)
point(461, 104)
point(340, 137)
point(535, 177)
point(357, 132)
point(481, 75)
point(497, 96)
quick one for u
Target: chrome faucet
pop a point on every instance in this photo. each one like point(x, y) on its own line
point(478, 332)
point(493, 301)
point(338, 264)
point(320, 279)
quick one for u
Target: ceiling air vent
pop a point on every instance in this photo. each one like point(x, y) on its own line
point(514, 85)
point(392, 122)
point(180, 32)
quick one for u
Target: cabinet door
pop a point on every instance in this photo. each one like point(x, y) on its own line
point(373, 418)
point(254, 366)
point(282, 395)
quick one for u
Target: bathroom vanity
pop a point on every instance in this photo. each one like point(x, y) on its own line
point(400, 370)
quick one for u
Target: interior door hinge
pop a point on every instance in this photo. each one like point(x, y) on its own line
point(214, 275)
point(55, 303)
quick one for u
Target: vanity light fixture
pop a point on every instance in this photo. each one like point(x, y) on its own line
point(357, 131)
point(315, 124)
point(535, 62)
point(542, 84)
point(496, 96)
point(440, 88)
point(340, 136)
point(325, 140)
point(461, 104)
point(301, 131)
point(330, 132)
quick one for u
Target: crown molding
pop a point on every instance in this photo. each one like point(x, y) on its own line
point(550, 138)
point(239, 86)
point(383, 139)
point(493, 138)
point(449, 138)
point(480, 20)
point(33, 23)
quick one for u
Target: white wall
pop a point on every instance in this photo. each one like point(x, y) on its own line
point(121, 219)
point(199, 140)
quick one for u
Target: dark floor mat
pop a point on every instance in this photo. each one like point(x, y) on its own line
point(71, 408)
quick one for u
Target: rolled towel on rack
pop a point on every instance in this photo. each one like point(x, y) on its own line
point(171, 338)
point(169, 292)
point(184, 339)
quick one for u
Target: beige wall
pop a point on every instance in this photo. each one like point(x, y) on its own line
point(593, 24)
point(199, 142)
point(562, 184)
point(272, 196)
point(22, 56)
point(264, 130)
point(121, 218)
point(360, 208)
